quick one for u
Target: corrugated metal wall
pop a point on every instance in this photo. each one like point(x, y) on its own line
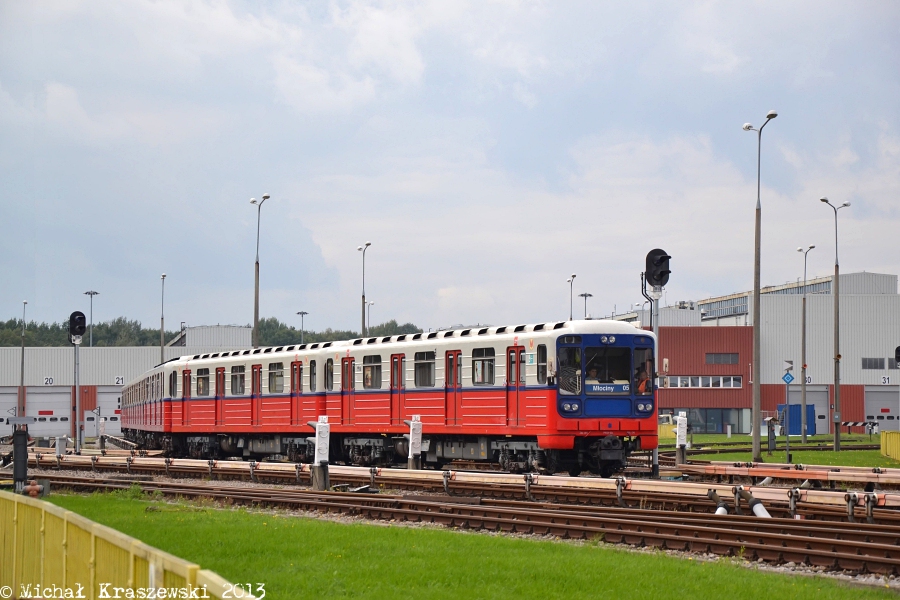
point(686, 349)
point(223, 336)
point(99, 366)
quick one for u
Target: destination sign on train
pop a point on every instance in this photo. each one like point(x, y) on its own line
point(607, 388)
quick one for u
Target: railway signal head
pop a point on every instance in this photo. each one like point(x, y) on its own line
point(658, 267)
point(77, 323)
point(897, 354)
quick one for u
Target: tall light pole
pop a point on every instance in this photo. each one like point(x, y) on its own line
point(757, 456)
point(92, 293)
point(256, 296)
point(837, 329)
point(21, 410)
point(585, 295)
point(162, 321)
point(363, 250)
point(803, 353)
point(369, 315)
point(570, 281)
point(302, 314)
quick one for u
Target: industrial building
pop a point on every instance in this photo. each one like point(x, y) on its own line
point(706, 351)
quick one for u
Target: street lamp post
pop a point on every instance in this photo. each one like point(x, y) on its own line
point(837, 329)
point(586, 295)
point(21, 410)
point(256, 288)
point(570, 281)
point(363, 250)
point(302, 314)
point(92, 293)
point(369, 315)
point(803, 353)
point(162, 320)
point(757, 456)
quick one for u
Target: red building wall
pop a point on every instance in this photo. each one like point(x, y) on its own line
point(686, 349)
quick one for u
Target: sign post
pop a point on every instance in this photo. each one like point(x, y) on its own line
point(788, 378)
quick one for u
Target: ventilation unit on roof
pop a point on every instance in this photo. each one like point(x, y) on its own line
point(314, 346)
point(326, 345)
point(559, 325)
point(372, 340)
point(302, 347)
point(483, 331)
point(519, 328)
point(418, 336)
point(449, 334)
point(465, 332)
point(501, 330)
point(205, 356)
point(539, 327)
point(357, 342)
point(400, 338)
point(289, 348)
point(196, 356)
point(432, 335)
point(385, 340)
point(267, 350)
point(279, 348)
point(216, 355)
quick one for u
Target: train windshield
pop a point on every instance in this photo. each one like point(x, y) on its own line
point(607, 370)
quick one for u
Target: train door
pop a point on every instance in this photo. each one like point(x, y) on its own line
point(185, 395)
point(255, 393)
point(515, 385)
point(347, 385)
point(452, 385)
point(398, 387)
point(296, 391)
point(220, 396)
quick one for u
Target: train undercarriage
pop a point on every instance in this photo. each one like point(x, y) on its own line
point(600, 455)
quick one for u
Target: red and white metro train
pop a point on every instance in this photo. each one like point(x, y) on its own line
point(566, 396)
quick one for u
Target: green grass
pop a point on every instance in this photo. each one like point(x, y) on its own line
point(307, 558)
point(848, 458)
point(712, 439)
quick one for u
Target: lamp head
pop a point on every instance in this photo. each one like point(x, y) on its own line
point(265, 196)
point(799, 249)
point(771, 114)
point(163, 276)
point(847, 203)
point(569, 280)
point(748, 127)
point(252, 200)
point(823, 199)
point(359, 247)
point(811, 247)
point(573, 275)
point(24, 301)
point(368, 244)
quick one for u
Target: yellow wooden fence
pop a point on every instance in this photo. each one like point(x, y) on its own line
point(44, 548)
point(890, 444)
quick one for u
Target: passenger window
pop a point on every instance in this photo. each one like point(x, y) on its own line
point(237, 380)
point(203, 382)
point(173, 384)
point(312, 376)
point(542, 363)
point(372, 372)
point(276, 378)
point(424, 369)
point(482, 366)
point(296, 377)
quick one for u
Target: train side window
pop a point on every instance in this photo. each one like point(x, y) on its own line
point(173, 384)
point(329, 375)
point(424, 369)
point(312, 376)
point(237, 380)
point(569, 370)
point(297, 377)
point(482, 366)
point(276, 378)
point(63, 419)
point(372, 372)
point(203, 382)
point(542, 363)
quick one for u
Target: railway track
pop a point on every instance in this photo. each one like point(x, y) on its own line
point(855, 547)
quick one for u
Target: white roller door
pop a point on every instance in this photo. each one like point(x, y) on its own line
point(109, 401)
point(51, 406)
point(816, 395)
point(883, 406)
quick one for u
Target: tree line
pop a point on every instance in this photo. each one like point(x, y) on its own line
point(125, 332)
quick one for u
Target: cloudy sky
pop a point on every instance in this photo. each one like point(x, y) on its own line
point(486, 149)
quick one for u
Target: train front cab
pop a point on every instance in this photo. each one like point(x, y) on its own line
point(605, 397)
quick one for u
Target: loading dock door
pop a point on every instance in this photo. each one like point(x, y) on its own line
point(109, 401)
point(51, 406)
point(816, 395)
point(883, 406)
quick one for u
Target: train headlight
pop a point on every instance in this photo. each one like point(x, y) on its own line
point(575, 406)
point(640, 407)
point(567, 406)
point(603, 339)
point(612, 339)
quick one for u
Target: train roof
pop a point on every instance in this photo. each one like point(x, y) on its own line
point(483, 332)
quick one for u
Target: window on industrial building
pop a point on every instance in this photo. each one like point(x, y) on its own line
point(892, 363)
point(715, 381)
point(542, 363)
point(424, 369)
point(312, 376)
point(483, 366)
point(873, 363)
point(721, 358)
point(372, 372)
point(237, 380)
point(203, 382)
point(276, 378)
